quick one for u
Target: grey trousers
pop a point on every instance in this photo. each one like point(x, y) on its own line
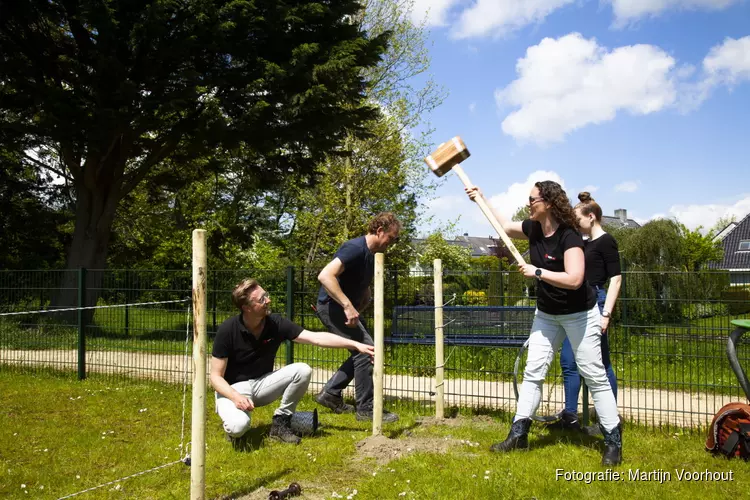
point(357, 367)
point(288, 383)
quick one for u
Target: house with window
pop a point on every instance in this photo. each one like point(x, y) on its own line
point(736, 242)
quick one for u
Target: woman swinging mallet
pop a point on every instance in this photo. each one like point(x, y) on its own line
point(566, 306)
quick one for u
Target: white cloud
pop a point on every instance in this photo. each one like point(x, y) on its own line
point(480, 18)
point(706, 215)
point(567, 83)
point(433, 12)
point(498, 17)
point(627, 187)
point(590, 188)
point(472, 107)
point(728, 63)
point(627, 11)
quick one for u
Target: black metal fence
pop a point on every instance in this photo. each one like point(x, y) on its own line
point(668, 334)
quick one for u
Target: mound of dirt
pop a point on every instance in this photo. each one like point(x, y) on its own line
point(384, 449)
point(457, 421)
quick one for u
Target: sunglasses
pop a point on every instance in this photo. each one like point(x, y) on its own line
point(533, 200)
point(263, 298)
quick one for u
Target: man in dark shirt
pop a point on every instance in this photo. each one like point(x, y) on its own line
point(344, 292)
point(243, 357)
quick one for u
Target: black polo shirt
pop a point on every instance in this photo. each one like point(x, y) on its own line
point(247, 357)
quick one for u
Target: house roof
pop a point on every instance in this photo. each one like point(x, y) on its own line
point(734, 258)
point(724, 232)
point(478, 246)
point(608, 220)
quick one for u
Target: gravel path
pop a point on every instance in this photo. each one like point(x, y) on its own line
point(648, 406)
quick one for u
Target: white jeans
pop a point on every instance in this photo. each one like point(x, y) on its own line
point(288, 383)
point(584, 332)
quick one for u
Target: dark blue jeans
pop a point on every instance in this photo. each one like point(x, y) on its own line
point(571, 378)
point(357, 366)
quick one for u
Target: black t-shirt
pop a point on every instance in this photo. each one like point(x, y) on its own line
point(547, 253)
point(247, 357)
point(359, 267)
point(602, 259)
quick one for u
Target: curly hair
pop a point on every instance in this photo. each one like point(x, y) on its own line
point(552, 193)
point(386, 220)
point(589, 206)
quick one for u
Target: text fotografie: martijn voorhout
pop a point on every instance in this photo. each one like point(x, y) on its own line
point(655, 475)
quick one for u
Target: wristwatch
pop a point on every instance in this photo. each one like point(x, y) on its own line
point(538, 273)
point(606, 314)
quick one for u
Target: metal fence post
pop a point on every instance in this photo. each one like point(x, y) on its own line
point(624, 294)
point(215, 299)
point(395, 287)
point(289, 311)
point(128, 297)
point(81, 323)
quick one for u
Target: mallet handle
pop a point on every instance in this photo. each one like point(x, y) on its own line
point(490, 216)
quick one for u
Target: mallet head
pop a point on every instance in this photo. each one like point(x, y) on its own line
point(447, 155)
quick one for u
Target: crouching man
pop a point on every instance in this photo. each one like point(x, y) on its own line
point(242, 363)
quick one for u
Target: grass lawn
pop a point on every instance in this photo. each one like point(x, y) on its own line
point(59, 436)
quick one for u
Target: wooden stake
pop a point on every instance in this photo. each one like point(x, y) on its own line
point(377, 408)
point(437, 266)
point(198, 446)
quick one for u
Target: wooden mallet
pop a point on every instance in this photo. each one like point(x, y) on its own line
point(447, 157)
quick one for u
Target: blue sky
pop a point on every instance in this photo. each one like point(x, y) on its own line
point(646, 103)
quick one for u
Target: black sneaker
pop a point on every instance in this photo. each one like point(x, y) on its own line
point(281, 430)
point(366, 415)
point(334, 403)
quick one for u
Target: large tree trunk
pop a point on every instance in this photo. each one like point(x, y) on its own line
point(95, 212)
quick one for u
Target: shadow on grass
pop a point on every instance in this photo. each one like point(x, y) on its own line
point(254, 439)
point(554, 436)
point(258, 483)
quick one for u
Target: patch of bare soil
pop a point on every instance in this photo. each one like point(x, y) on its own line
point(457, 421)
point(384, 449)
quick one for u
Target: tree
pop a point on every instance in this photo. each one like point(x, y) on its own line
point(453, 257)
point(721, 224)
point(341, 205)
point(106, 92)
point(699, 249)
point(657, 245)
point(384, 171)
point(29, 234)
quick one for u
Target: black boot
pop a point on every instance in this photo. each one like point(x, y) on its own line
point(335, 403)
point(612, 454)
point(596, 430)
point(281, 430)
point(518, 437)
point(568, 421)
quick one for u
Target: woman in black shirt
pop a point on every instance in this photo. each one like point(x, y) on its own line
point(602, 265)
point(566, 306)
